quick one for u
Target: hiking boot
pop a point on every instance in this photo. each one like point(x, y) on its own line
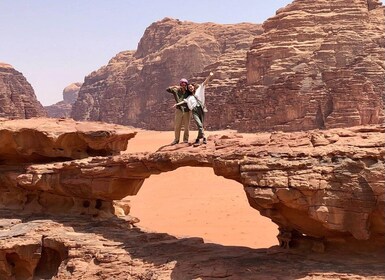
point(204, 140)
point(174, 142)
point(196, 143)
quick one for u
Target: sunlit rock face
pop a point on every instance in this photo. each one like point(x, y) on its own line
point(318, 64)
point(131, 88)
point(17, 98)
point(63, 108)
point(61, 182)
point(44, 143)
point(324, 184)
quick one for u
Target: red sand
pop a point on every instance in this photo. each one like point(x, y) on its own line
point(193, 201)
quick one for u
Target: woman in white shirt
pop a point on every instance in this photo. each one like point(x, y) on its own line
point(196, 103)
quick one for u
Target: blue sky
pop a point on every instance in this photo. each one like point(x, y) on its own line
point(55, 43)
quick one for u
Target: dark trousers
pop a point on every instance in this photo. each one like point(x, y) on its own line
point(198, 116)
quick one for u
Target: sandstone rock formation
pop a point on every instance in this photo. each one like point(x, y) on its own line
point(63, 108)
point(131, 88)
point(17, 98)
point(318, 64)
point(42, 140)
point(325, 184)
point(325, 190)
point(75, 247)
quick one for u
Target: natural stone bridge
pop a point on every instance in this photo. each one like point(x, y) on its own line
point(325, 185)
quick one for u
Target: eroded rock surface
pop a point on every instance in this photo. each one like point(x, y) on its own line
point(42, 140)
point(324, 184)
point(73, 247)
point(318, 64)
point(325, 190)
point(17, 97)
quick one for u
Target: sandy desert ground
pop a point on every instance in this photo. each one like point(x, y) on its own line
point(194, 202)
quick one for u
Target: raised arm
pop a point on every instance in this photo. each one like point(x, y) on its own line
point(208, 78)
point(172, 89)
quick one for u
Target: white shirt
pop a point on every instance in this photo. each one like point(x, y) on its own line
point(191, 102)
point(192, 99)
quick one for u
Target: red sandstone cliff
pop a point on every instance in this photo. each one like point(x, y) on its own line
point(17, 98)
point(131, 88)
point(318, 64)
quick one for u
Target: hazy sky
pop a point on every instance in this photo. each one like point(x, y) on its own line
point(55, 43)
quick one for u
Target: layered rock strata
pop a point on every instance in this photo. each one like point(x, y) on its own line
point(131, 88)
point(318, 64)
point(63, 108)
point(45, 140)
point(72, 247)
point(17, 98)
point(325, 190)
point(323, 184)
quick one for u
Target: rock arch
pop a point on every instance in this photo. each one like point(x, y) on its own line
point(325, 185)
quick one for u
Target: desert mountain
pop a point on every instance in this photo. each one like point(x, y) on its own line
point(17, 98)
point(131, 88)
point(313, 65)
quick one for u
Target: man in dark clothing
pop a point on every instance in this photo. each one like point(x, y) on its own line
point(182, 112)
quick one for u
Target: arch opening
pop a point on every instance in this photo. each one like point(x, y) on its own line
point(194, 202)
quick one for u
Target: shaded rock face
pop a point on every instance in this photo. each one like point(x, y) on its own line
point(131, 88)
point(72, 247)
point(318, 64)
point(60, 182)
point(63, 108)
point(17, 98)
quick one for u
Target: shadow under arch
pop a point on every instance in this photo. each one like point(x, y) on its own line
point(112, 248)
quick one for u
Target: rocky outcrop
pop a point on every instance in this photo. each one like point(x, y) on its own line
point(318, 64)
point(324, 184)
point(75, 247)
point(63, 108)
point(42, 140)
point(325, 190)
point(131, 88)
point(17, 98)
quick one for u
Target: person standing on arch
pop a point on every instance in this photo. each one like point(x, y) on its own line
point(196, 103)
point(182, 112)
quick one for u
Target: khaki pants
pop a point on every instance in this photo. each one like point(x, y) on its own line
point(182, 119)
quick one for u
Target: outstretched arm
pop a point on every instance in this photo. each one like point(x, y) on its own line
point(180, 103)
point(208, 78)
